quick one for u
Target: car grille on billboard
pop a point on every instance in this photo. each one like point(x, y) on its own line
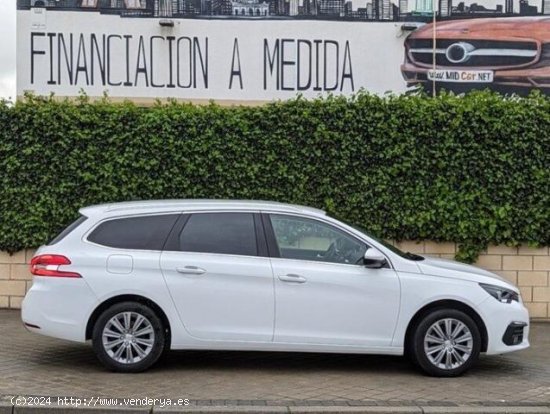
point(473, 53)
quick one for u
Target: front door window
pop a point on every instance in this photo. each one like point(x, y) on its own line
point(307, 239)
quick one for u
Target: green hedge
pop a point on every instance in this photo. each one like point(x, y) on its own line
point(474, 170)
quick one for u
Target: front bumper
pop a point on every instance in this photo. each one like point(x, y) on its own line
point(528, 78)
point(498, 318)
point(514, 333)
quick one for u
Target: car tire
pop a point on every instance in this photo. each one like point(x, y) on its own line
point(129, 337)
point(446, 343)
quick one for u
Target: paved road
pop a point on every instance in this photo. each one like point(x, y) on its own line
point(31, 364)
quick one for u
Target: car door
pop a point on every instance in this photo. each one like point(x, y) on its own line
point(323, 293)
point(219, 276)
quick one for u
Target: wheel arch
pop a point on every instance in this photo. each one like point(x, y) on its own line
point(128, 298)
point(447, 304)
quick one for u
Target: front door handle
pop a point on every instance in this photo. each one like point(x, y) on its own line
point(292, 278)
point(190, 270)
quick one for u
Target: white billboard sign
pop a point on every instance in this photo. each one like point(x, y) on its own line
point(260, 50)
point(66, 52)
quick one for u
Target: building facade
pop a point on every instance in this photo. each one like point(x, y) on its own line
point(249, 8)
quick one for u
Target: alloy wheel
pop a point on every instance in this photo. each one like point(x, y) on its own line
point(128, 337)
point(448, 343)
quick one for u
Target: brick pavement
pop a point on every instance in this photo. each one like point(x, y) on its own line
point(31, 364)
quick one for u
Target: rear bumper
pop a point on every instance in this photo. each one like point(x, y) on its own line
point(58, 307)
point(499, 317)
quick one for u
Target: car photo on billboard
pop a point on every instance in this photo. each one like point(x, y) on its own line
point(509, 55)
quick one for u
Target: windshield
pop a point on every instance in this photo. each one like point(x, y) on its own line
point(406, 255)
point(67, 230)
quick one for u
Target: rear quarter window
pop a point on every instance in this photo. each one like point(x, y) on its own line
point(141, 233)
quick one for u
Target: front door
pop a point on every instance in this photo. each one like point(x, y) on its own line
point(220, 283)
point(323, 293)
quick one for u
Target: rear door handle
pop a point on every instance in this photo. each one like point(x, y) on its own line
point(292, 278)
point(190, 270)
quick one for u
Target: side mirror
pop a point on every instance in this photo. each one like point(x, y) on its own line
point(373, 259)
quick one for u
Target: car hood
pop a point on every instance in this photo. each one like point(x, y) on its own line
point(491, 28)
point(456, 270)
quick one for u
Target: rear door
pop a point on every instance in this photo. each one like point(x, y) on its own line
point(217, 270)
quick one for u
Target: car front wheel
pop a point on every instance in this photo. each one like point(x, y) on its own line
point(128, 337)
point(446, 343)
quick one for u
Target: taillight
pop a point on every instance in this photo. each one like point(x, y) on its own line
point(49, 265)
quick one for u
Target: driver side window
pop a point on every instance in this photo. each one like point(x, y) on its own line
point(306, 239)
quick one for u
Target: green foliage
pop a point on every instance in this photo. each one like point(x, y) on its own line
point(473, 169)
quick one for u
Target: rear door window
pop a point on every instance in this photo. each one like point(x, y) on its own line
point(141, 233)
point(223, 233)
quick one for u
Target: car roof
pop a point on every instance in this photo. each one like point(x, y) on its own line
point(153, 206)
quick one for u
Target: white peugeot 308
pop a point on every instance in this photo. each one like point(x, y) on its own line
point(140, 278)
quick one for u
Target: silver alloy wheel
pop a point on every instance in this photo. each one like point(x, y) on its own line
point(128, 337)
point(448, 343)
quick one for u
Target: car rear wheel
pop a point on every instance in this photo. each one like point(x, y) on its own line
point(446, 343)
point(128, 337)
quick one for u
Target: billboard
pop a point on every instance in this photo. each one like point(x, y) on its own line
point(259, 50)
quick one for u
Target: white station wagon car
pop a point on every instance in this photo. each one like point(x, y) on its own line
point(141, 278)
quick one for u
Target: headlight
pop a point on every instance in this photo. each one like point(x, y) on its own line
point(501, 294)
